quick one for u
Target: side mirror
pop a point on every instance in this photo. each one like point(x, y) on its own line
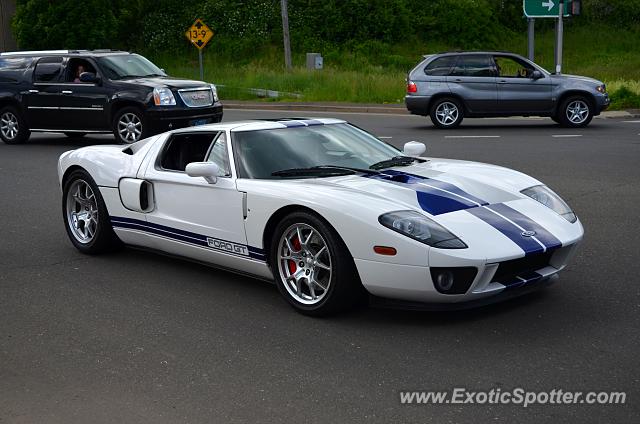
point(536, 75)
point(414, 148)
point(207, 170)
point(89, 77)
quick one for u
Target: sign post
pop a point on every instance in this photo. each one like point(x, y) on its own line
point(559, 37)
point(557, 9)
point(199, 35)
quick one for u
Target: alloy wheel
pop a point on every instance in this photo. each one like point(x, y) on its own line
point(130, 127)
point(577, 111)
point(82, 211)
point(9, 125)
point(304, 263)
point(447, 113)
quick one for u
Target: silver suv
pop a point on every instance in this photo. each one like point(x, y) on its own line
point(450, 86)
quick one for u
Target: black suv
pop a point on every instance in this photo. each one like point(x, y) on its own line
point(450, 86)
point(97, 91)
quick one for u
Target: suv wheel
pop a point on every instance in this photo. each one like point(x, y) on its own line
point(13, 128)
point(129, 125)
point(575, 112)
point(446, 113)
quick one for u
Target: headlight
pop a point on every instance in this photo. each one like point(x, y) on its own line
point(547, 197)
point(602, 89)
point(214, 90)
point(162, 96)
point(419, 227)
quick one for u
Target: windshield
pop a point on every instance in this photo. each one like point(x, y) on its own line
point(258, 154)
point(128, 66)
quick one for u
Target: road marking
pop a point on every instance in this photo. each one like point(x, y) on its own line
point(471, 136)
point(631, 122)
point(566, 135)
point(385, 137)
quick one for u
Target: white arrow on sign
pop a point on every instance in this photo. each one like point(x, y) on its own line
point(549, 4)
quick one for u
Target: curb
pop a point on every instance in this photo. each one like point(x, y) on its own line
point(390, 109)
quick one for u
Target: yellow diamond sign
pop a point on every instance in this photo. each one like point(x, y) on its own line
point(199, 34)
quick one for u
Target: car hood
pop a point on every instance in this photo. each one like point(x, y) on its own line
point(171, 82)
point(565, 77)
point(439, 185)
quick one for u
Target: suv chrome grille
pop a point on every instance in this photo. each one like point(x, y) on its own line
point(196, 97)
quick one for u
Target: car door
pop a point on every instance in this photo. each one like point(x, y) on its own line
point(42, 99)
point(518, 91)
point(473, 79)
point(82, 104)
point(193, 217)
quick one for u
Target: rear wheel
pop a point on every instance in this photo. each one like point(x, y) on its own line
point(446, 113)
point(313, 268)
point(85, 215)
point(129, 125)
point(13, 127)
point(575, 112)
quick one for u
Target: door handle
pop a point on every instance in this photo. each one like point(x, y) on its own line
point(458, 80)
point(34, 91)
point(502, 81)
point(67, 92)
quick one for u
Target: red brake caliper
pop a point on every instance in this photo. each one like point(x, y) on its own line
point(291, 263)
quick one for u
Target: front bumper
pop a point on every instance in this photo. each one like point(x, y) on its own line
point(161, 119)
point(602, 103)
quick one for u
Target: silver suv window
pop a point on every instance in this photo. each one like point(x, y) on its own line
point(441, 66)
point(474, 66)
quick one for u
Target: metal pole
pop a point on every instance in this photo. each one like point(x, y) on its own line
point(531, 39)
point(285, 33)
point(559, 37)
point(201, 65)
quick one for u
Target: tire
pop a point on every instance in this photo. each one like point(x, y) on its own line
point(75, 134)
point(85, 216)
point(446, 112)
point(129, 125)
point(575, 112)
point(338, 288)
point(555, 119)
point(13, 127)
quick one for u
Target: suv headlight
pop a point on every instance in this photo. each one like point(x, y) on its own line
point(419, 227)
point(550, 199)
point(602, 89)
point(214, 91)
point(162, 96)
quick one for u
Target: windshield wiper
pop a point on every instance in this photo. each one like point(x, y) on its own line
point(395, 161)
point(321, 170)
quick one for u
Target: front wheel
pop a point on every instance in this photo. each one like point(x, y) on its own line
point(313, 268)
point(85, 215)
point(13, 127)
point(129, 125)
point(446, 113)
point(575, 112)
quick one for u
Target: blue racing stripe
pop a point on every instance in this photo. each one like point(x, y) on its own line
point(549, 240)
point(434, 196)
point(527, 244)
point(183, 236)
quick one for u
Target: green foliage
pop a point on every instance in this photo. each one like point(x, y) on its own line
point(623, 98)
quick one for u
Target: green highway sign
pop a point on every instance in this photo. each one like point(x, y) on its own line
point(544, 8)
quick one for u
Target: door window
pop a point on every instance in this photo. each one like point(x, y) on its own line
point(182, 149)
point(218, 154)
point(440, 66)
point(510, 67)
point(48, 69)
point(76, 66)
point(474, 66)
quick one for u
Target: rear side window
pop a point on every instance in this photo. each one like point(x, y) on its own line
point(11, 68)
point(440, 66)
point(474, 66)
point(48, 69)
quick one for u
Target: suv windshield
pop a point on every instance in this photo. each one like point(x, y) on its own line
point(259, 154)
point(128, 66)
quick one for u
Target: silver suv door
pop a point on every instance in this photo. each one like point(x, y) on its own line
point(518, 91)
point(473, 79)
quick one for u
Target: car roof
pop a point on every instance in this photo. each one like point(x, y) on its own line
point(263, 124)
point(36, 53)
point(469, 52)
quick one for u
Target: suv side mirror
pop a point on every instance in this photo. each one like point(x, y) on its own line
point(89, 77)
point(207, 170)
point(414, 149)
point(536, 75)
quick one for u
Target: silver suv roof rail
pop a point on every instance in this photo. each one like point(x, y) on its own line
point(34, 52)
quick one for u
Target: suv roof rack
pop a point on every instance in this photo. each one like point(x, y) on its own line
point(45, 52)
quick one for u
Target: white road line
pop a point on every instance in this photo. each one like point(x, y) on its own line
point(631, 122)
point(471, 136)
point(384, 137)
point(566, 135)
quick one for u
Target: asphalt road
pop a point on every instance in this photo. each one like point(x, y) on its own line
point(134, 337)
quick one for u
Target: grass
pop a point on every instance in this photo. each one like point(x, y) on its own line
point(371, 72)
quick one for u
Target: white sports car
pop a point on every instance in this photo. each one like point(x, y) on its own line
point(326, 209)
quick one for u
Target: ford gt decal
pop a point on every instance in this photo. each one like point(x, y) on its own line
point(434, 196)
point(188, 237)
